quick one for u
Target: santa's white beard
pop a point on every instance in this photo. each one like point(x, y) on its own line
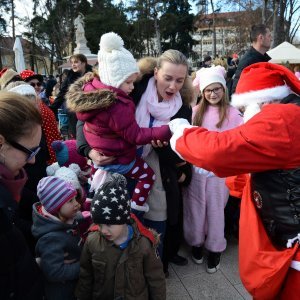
point(250, 111)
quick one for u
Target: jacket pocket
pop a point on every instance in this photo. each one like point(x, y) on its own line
point(99, 271)
point(135, 277)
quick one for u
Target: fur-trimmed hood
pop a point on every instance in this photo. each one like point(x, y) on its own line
point(88, 93)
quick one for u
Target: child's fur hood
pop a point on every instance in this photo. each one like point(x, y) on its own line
point(80, 101)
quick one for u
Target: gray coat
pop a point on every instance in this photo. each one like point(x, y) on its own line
point(57, 243)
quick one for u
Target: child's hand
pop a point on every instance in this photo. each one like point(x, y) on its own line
point(159, 144)
point(100, 159)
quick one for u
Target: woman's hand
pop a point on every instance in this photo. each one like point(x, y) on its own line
point(100, 159)
point(158, 144)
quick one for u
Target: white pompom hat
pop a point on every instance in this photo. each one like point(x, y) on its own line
point(116, 63)
point(211, 75)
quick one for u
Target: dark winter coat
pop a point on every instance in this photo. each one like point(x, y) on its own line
point(19, 274)
point(251, 57)
point(109, 116)
point(107, 272)
point(56, 243)
point(168, 159)
point(60, 99)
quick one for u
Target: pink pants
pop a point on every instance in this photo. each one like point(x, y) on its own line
point(145, 177)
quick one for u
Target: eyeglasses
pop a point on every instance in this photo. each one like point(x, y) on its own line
point(215, 90)
point(33, 84)
point(30, 152)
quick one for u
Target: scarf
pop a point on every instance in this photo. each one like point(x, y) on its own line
point(13, 184)
point(162, 112)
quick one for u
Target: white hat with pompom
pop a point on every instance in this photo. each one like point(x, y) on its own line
point(116, 63)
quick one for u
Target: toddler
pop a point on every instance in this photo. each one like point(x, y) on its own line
point(119, 259)
point(58, 241)
point(108, 111)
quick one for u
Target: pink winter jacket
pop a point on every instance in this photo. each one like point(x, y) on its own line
point(109, 116)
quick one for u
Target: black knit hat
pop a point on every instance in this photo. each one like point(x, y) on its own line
point(111, 203)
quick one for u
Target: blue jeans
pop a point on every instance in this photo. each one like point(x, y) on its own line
point(160, 228)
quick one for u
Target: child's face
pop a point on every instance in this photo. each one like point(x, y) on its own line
point(214, 93)
point(69, 210)
point(114, 233)
point(127, 86)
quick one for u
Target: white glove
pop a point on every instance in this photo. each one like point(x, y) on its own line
point(179, 124)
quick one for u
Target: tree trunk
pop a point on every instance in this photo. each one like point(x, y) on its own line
point(264, 12)
point(214, 29)
point(275, 23)
point(13, 19)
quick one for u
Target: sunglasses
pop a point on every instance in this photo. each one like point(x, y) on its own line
point(33, 84)
point(30, 152)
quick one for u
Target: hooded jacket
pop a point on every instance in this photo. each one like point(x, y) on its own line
point(58, 248)
point(107, 272)
point(109, 116)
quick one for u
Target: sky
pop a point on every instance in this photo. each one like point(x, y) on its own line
point(24, 9)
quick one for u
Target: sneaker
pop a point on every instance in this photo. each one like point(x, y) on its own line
point(213, 262)
point(197, 255)
point(178, 260)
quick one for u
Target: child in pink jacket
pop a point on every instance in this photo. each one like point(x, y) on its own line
point(108, 111)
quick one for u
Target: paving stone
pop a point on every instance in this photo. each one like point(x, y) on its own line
point(243, 291)
point(210, 286)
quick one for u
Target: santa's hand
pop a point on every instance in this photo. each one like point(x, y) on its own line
point(178, 124)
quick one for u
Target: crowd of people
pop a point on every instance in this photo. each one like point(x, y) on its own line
point(152, 157)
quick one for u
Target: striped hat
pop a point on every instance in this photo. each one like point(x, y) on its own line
point(54, 192)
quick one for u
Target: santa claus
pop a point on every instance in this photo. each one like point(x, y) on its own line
point(267, 147)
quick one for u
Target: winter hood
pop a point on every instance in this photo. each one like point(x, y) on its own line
point(88, 93)
point(43, 224)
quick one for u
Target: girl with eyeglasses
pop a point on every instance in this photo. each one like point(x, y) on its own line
point(205, 198)
point(20, 134)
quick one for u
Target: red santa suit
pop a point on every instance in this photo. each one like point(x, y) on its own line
point(266, 144)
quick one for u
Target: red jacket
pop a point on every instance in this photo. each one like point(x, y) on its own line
point(109, 116)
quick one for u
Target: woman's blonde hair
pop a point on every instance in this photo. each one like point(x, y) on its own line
point(18, 116)
point(203, 106)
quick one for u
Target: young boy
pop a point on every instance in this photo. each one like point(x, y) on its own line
point(58, 247)
point(119, 258)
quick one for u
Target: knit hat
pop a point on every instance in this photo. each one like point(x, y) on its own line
point(211, 75)
point(111, 203)
point(28, 75)
point(23, 89)
point(263, 82)
point(6, 76)
point(66, 154)
point(54, 192)
point(116, 63)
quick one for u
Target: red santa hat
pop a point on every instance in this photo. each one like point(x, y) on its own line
point(261, 83)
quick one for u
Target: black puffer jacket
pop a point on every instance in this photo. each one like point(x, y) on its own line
point(251, 57)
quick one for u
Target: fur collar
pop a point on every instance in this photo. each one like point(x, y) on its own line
point(79, 100)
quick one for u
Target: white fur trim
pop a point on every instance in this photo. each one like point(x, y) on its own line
point(144, 208)
point(260, 96)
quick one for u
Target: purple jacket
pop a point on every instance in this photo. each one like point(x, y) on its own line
point(109, 116)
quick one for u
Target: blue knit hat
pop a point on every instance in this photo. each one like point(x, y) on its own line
point(54, 192)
